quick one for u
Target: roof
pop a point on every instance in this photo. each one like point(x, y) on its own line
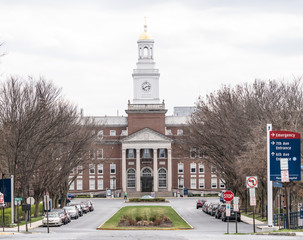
point(176, 120)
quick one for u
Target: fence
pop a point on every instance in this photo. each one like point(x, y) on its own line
point(294, 220)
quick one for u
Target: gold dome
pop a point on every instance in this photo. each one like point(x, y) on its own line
point(145, 35)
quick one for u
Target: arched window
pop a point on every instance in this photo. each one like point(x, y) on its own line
point(162, 178)
point(131, 178)
point(145, 52)
point(100, 135)
point(146, 172)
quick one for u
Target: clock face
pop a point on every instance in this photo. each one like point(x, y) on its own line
point(146, 86)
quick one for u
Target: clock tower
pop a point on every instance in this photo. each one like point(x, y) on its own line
point(146, 76)
point(146, 111)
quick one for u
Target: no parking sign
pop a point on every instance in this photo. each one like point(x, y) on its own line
point(252, 182)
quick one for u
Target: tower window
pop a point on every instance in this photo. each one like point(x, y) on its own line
point(145, 52)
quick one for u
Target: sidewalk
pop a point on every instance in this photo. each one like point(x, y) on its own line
point(249, 220)
point(22, 229)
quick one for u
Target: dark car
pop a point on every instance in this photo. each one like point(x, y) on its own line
point(232, 215)
point(219, 211)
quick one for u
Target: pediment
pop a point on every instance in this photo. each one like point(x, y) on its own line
point(146, 135)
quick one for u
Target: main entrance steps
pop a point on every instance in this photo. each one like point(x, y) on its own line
point(157, 194)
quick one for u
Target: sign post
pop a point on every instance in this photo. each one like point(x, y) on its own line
point(285, 159)
point(269, 182)
point(228, 197)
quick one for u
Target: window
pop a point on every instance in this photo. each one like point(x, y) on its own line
point(162, 178)
point(113, 183)
point(180, 182)
point(112, 132)
point(124, 133)
point(100, 153)
point(72, 186)
point(71, 171)
point(131, 178)
point(193, 184)
point(192, 168)
point(100, 135)
point(92, 184)
point(80, 169)
point(146, 153)
point(201, 153)
point(131, 153)
point(112, 168)
point(214, 183)
point(213, 169)
point(179, 132)
point(192, 152)
point(180, 167)
point(146, 172)
point(222, 184)
point(201, 183)
point(168, 132)
point(100, 184)
point(100, 168)
point(161, 153)
point(79, 184)
point(91, 168)
point(91, 154)
point(80, 155)
point(201, 168)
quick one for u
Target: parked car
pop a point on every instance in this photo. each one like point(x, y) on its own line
point(219, 210)
point(70, 196)
point(90, 205)
point(85, 207)
point(54, 219)
point(199, 204)
point(205, 207)
point(80, 209)
point(232, 215)
point(212, 209)
point(63, 215)
point(73, 211)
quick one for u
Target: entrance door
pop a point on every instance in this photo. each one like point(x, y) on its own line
point(147, 184)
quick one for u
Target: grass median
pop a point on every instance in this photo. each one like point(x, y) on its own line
point(148, 211)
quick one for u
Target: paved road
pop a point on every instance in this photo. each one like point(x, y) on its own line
point(205, 226)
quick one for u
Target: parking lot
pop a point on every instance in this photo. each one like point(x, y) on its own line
point(204, 225)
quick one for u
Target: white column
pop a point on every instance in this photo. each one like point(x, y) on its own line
point(155, 171)
point(169, 170)
point(124, 170)
point(138, 171)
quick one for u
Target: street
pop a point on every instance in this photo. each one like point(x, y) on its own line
point(205, 226)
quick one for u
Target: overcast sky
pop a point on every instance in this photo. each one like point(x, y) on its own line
point(89, 48)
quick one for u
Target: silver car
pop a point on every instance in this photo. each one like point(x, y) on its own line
point(72, 211)
point(54, 219)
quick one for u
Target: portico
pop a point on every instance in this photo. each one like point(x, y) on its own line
point(147, 146)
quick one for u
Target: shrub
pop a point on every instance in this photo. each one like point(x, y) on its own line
point(157, 222)
point(138, 218)
point(145, 217)
point(131, 221)
point(153, 217)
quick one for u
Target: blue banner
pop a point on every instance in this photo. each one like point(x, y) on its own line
point(6, 183)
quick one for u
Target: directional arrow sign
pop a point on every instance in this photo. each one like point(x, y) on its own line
point(285, 145)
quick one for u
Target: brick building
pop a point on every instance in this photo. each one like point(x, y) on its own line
point(140, 153)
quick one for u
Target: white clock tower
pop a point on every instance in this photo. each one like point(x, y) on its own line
point(146, 76)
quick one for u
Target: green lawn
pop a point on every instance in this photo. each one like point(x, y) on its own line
point(178, 222)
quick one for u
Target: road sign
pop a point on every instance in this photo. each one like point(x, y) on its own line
point(18, 198)
point(1, 198)
point(227, 210)
point(236, 207)
point(284, 176)
point(228, 196)
point(252, 182)
point(30, 200)
point(252, 192)
point(285, 145)
point(253, 201)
